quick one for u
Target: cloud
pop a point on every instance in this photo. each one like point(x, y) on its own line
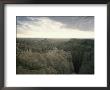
point(85, 23)
point(46, 27)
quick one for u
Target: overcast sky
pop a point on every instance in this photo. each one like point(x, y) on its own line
point(55, 27)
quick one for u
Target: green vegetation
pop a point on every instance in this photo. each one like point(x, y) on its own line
point(54, 56)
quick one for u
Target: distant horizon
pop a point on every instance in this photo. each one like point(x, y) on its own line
point(53, 38)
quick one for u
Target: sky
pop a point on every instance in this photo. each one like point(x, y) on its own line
point(55, 26)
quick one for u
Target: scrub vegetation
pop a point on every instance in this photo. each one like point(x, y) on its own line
point(54, 56)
